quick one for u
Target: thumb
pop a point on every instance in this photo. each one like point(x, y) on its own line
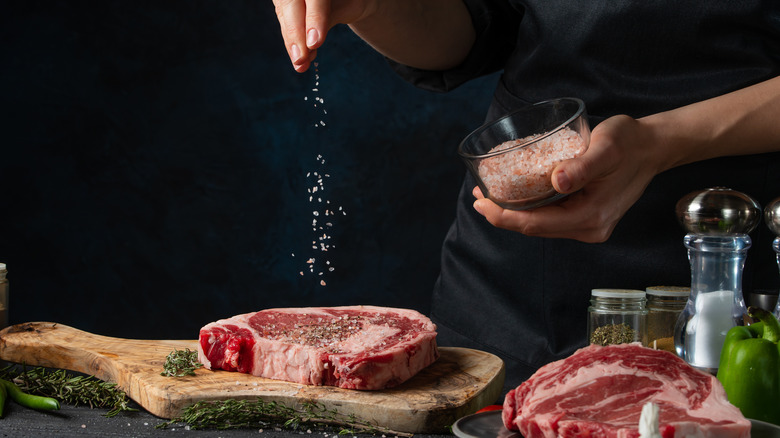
point(570, 176)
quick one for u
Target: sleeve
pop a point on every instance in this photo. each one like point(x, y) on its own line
point(496, 23)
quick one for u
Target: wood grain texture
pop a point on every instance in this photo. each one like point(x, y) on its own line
point(459, 383)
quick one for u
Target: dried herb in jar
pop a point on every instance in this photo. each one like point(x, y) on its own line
point(613, 334)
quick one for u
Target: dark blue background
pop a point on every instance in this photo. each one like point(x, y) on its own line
point(154, 167)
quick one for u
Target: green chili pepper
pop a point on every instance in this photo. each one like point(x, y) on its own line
point(749, 367)
point(3, 396)
point(29, 400)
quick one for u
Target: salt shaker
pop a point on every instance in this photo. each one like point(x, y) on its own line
point(718, 221)
point(772, 219)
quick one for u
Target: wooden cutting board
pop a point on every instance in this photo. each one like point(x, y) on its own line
point(459, 383)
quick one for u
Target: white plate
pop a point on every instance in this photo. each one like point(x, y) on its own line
point(489, 425)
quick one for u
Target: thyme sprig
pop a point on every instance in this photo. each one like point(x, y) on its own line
point(180, 363)
point(236, 414)
point(71, 389)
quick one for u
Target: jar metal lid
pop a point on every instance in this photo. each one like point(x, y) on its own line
point(618, 293)
point(669, 291)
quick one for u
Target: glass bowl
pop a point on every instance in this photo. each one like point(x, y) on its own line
point(512, 158)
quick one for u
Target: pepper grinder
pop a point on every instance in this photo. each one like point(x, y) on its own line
point(772, 219)
point(717, 221)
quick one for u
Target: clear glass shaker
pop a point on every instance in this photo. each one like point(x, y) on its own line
point(664, 305)
point(718, 221)
point(772, 219)
point(617, 316)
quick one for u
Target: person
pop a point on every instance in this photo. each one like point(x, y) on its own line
point(681, 97)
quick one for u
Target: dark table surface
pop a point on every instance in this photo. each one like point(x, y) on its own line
point(82, 421)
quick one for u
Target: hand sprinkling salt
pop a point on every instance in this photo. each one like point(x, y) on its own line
point(649, 421)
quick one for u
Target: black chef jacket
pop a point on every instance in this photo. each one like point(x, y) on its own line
point(525, 298)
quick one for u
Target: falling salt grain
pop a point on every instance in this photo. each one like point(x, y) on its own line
point(320, 243)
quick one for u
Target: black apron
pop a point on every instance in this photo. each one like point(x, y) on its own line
point(525, 299)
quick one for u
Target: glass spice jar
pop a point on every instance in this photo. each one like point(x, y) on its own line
point(617, 316)
point(664, 305)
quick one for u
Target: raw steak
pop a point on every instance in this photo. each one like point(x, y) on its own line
point(600, 391)
point(355, 347)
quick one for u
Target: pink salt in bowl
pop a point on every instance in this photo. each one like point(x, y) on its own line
point(512, 158)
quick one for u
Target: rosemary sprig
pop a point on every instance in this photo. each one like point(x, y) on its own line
point(70, 389)
point(236, 414)
point(180, 363)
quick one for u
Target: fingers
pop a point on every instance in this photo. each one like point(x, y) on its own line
point(303, 26)
point(316, 23)
point(602, 157)
point(569, 219)
point(603, 183)
point(573, 174)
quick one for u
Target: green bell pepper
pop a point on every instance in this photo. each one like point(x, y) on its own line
point(749, 367)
